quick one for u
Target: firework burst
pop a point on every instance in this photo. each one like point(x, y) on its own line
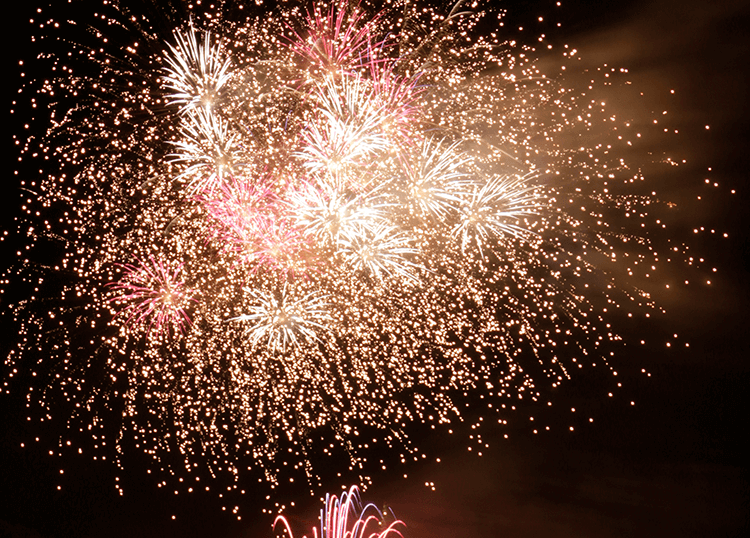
point(278, 323)
point(343, 220)
point(346, 517)
point(153, 295)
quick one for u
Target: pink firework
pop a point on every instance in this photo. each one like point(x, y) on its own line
point(345, 517)
point(251, 223)
point(154, 295)
point(235, 207)
point(398, 95)
point(338, 40)
point(280, 245)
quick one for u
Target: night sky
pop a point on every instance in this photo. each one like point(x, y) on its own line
point(673, 464)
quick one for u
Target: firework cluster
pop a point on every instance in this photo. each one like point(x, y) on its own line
point(284, 237)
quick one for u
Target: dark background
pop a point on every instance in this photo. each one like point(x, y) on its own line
point(673, 464)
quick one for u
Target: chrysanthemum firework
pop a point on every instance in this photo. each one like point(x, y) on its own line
point(290, 233)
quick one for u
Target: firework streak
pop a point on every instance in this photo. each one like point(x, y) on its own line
point(286, 236)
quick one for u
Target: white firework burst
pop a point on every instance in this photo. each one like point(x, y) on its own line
point(496, 210)
point(345, 134)
point(327, 216)
point(197, 71)
point(380, 251)
point(436, 183)
point(280, 321)
point(207, 150)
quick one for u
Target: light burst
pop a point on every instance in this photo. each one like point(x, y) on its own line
point(346, 220)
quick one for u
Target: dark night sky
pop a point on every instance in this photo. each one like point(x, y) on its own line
point(672, 465)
